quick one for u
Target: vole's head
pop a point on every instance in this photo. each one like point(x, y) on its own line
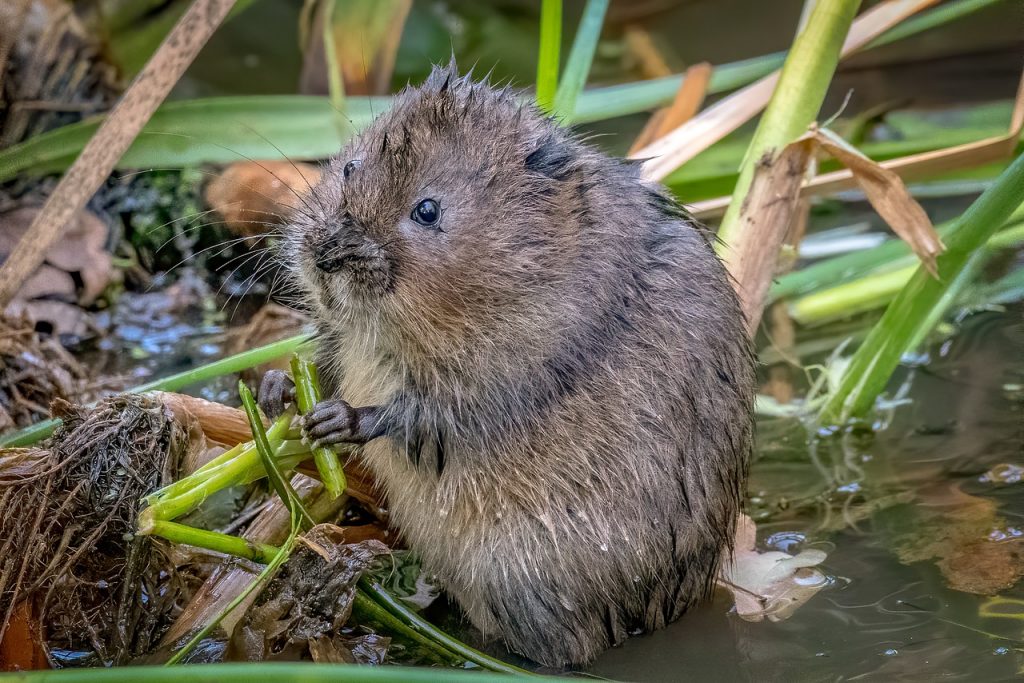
point(447, 216)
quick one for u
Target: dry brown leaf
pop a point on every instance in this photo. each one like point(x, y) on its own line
point(684, 107)
point(639, 44)
point(688, 99)
point(218, 422)
point(49, 295)
point(60, 317)
point(911, 167)
point(48, 281)
point(770, 585)
point(254, 197)
point(887, 195)
point(717, 121)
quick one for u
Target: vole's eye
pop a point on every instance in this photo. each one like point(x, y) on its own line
point(351, 166)
point(427, 213)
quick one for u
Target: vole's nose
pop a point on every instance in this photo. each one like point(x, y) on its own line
point(344, 247)
point(330, 255)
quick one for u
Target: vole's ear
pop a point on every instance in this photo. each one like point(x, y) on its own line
point(550, 158)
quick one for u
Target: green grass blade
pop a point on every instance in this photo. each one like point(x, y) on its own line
point(876, 359)
point(265, 449)
point(211, 130)
point(224, 366)
point(849, 298)
point(548, 56)
point(580, 58)
point(881, 279)
point(423, 627)
point(250, 672)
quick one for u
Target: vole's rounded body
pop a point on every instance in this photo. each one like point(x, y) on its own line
point(564, 380)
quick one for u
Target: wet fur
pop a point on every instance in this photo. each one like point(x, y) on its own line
point(563, 365)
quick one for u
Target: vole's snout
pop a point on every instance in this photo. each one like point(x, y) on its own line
point(329, 255)
point(351, 251)
point(342, 246)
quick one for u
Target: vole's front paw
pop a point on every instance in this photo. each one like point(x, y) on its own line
point(276, 391)
point(332, 421)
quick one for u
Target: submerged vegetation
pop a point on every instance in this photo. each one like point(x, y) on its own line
point(251, 543)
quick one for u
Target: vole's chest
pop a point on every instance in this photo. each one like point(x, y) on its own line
point(365, 376)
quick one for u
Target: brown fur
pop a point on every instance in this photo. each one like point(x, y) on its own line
point(563, 366)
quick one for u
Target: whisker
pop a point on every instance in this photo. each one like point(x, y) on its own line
point(290, 162)
point(189, 257)
point(247, 158)
point(252, 283)
point(198, 226)
point(259, 254)
point(212, 174)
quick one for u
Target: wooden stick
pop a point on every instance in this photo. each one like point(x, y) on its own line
point(111, 141)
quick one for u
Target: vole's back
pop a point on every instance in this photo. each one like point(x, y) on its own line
point(570, 460)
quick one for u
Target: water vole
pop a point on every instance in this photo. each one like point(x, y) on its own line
point(547, 364)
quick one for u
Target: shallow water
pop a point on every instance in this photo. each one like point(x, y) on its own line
point(867, 498)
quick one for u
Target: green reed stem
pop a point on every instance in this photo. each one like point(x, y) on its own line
point(307, 395)
point(801, 89)
point(874, 362)
point(581, 56)
point(277, 479)
point(547, 58)
point(187, 494)
point(212, 540)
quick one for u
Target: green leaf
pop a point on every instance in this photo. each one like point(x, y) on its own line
point(548, 55)
point(580, 58)
point(218, 130)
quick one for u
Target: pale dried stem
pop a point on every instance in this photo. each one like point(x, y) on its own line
point(717, 121)
point(911, 167)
